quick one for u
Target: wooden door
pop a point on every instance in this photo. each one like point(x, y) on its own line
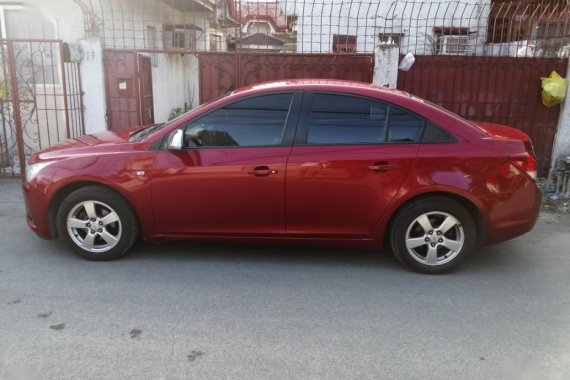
point(121, 79)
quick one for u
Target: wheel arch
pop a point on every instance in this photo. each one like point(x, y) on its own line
point(469, 205)
point(69, 188)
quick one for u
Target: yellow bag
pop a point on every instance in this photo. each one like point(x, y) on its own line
point(553, 89)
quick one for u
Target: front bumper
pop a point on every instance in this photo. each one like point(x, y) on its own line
point(37, 211)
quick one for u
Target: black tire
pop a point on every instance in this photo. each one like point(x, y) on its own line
point(109, 238)
point(409, 228)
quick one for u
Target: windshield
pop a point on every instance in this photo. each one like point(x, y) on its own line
point(147, 131)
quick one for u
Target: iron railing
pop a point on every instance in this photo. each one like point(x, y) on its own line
point(40, 100)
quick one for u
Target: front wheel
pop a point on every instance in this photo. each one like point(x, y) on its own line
point(433, 235)
point(97, 223)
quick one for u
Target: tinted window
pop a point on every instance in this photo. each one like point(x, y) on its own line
point(338, 119)
point(403, 126)
point(258, 121)
point(433, 134)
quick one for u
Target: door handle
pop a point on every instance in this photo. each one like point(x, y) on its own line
point(262, 171)
point(381, 167)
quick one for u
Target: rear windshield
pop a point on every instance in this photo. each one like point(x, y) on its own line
point(450, 113)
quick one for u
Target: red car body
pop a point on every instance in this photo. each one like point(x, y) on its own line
point(333, 194)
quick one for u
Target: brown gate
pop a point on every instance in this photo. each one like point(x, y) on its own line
point(502, 90)
point(123, 105)
point(128, 77)
point(40, 100)
point(224, 72)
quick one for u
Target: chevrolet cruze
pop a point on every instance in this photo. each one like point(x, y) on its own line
point(299, 161)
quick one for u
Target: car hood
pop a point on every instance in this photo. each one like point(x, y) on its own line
point(99, 143)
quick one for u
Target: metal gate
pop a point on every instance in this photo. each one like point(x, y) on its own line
point(503, 90)
point(224, 72)
point(40, 100)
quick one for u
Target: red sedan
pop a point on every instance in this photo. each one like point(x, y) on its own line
point(300, 161)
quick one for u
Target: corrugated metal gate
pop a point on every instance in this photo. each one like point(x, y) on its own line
point(40, 100)
point(224, 72)
point(502, 90)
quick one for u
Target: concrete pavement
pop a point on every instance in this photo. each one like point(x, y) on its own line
point(209, 311)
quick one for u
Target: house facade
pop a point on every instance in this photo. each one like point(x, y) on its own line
point(265, 26)
point(157, 29)
point(436, 27)
point(421, 27)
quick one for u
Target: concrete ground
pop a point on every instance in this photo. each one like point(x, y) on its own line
point(207, 311)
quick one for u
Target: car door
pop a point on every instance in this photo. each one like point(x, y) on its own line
point(229, 178)
point(351, 156)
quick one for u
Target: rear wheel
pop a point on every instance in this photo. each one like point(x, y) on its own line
point(97, 223)
point(433, 235)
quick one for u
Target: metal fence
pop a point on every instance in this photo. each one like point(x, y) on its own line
point(40, 100)
point(502, 90)
point(482, 59)
point(526, 28)
point(221, 73)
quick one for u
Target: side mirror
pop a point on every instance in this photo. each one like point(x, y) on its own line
point(175, 140)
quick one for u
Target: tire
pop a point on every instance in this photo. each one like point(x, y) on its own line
point(433, 235)
point(97, 223)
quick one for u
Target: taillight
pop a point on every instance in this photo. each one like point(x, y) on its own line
point(525, 163)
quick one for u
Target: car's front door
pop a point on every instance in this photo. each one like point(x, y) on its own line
point(229, 178)
point(351, 156)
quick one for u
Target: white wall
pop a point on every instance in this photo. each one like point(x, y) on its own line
point(93, 85)
point(45, 19)
point(167, 85)
point(66, 16)
point(318, 22)
point(124, 24)
point(386, 65)
point(562, 139)
point(175, 77)
point(192, 80)
point(67, 19)
point(175, 82)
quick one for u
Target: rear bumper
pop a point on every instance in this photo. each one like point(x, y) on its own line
point(513, 214)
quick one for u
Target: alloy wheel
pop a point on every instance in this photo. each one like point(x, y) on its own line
point(435, 238)
point(94, 226)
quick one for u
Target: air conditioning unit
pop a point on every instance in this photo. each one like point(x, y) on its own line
point(453, 45)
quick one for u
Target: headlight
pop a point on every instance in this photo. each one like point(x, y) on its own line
point(33, 169)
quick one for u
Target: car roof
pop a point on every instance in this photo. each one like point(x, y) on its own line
point(322, 84)
point(399, 97)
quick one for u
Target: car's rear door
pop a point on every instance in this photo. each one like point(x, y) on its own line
point(229, 179)
point(350, 157)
